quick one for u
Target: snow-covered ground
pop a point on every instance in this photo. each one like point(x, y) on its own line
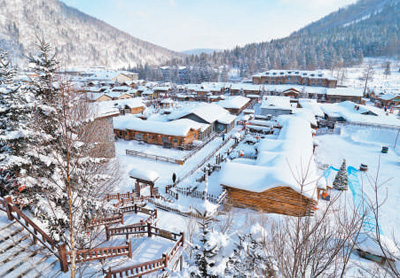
point(362, 145)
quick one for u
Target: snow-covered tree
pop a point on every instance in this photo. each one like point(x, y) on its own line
point(66, 182)
point(250, 257)
point(13, 123)
point(341, 181)
point(204, 250)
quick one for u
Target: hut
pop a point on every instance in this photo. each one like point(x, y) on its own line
point(143, 178)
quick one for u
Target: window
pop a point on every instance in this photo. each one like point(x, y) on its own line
point(139, 136)
point(175, 140)
point(195, 135)
point(149, 136)
point(165, 139)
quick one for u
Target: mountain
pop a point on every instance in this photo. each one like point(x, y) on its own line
point(80, 40)
point(199, 51)
point(367, 28)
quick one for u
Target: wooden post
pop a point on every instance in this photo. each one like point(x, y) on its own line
point(122, 218)
point(63, 257)
point(137, 188)
point(8, 200)
point(107, 234)
point(165, 259)
point(136, 208)
point(148, 229)
point(183, 238)
point(118, 196)
point(129, 249)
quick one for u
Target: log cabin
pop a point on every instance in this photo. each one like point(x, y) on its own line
point(269, 183)
point(168, 134)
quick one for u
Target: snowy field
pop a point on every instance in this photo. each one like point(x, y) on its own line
point(362, 145)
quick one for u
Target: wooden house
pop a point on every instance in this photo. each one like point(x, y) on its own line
point(218, 118)
point(270, 183)
point(295, 77)
point(235, 105)
point(169, 134)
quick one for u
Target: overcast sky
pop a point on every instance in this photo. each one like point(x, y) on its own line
point(219, 24)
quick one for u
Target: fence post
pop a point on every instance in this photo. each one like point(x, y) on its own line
point(8, 200)
point(63, 257)
point(129, 249)
point(148, 229)
point(183, 238)
point(136, 208)
point(107, 233)
point(122, 218)
point(165, 260)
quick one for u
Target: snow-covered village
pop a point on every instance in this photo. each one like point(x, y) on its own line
point(121, 158)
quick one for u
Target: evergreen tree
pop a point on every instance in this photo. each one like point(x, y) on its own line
point(66, 180)
point(13, 123)
point(203, 251)
point(341, 181)
point(250, 259)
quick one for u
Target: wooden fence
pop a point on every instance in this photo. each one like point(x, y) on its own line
point(145, 268)
point(103, 253)
point(155, 157)
point(59, 250)
point(200, 195)
point(177, 211)
point(108, 221)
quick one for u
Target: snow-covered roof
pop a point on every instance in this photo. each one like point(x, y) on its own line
point(129, 122)
point(312, 105)
point(276, 102)
point(308, 74)
point(227, 119)
point(389, 96)
point(280, 162)
point(143, 174)
point(209, 112)
point(344, 92)
point(356, 113)
point(367, 242)
point(236, 102)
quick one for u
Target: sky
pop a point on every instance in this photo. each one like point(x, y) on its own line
point(217, 24)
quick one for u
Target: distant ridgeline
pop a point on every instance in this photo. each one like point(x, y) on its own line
point(369, 28)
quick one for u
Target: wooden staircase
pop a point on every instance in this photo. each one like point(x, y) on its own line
point(20, 257)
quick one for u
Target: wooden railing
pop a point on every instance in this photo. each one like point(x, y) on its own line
point(170, 192)
point(59, 250)
point(155, 157)
point(108, 221)
point(177, 211)
point(152, 266)
point(119, 196)
point(137, 270)
point(202, 162)
point(103, 253)
point(200, 195)
point(127, 230)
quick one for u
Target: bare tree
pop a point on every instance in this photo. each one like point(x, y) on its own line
point(368, 74)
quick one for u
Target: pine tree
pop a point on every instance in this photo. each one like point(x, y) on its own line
point(13, 123)
point(249, 259)
point(341, 181)
point(203, 251)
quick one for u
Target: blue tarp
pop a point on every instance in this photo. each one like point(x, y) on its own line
point(359, 199)
point(369, 223)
